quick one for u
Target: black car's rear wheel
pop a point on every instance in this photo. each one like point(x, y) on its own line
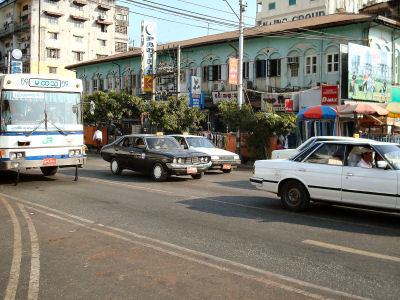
point(197, 175)
point(159, 173)
point(294, 196)
point(115, 167)
point(49, 171)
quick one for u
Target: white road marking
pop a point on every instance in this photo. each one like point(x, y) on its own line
point(17, 254)
point(33, 291)
point(207, 256)
point(351, 250)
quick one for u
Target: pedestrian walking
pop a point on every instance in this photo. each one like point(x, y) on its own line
point(98, 137)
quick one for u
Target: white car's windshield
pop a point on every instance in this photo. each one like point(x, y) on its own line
point(199, 142)
point(26, 110)
point(165, 143)
point(391, 154)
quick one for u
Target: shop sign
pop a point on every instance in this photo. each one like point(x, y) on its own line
point(233, 71)
point(289, 105)
point(149, 48)
point(277, 102)
point(329, 95)
point(224, 96)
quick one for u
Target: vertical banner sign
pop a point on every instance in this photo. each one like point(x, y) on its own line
point(16, 67)
point(288, 105)
point(233, 70)
point(149, 48)
point(329, 95)
point(196, 95)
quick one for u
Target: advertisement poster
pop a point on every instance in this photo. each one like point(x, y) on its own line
point(288, 105)
point(149, 48)
point(330, 95)
point(233, 70)
point(370, 73)
point(195, 94)
point(221, 96)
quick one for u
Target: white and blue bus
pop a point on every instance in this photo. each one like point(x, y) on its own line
point(41, 123)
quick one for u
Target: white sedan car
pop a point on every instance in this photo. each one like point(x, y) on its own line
point(331, 171)
point(288, 153)
point(221, 159)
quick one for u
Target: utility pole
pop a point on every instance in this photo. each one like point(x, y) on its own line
point(178, 67)
point(240, 67)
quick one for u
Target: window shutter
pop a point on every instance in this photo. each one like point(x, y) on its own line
point(210, 73)
point(269, 69)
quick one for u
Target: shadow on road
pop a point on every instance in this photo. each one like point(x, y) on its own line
point(9, 177)
point(318, 215)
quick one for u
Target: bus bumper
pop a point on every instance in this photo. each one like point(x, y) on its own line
point(30, 164)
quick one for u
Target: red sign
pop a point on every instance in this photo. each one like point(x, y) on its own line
point(191, 170)
point(329, 95)
point(49, 161)
point(288, 105)
point(233, 70)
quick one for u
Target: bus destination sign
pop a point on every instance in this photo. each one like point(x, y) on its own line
point(44, 83)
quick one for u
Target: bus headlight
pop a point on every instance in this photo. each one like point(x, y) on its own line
point(74, 153)
point(16, 155)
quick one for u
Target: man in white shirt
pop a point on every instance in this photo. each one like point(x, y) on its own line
point(366, 159)
point(98, 137)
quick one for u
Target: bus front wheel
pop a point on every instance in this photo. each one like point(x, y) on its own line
point(49, 171)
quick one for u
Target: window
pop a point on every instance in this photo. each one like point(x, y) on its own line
point(52, 19)
point(120, 47)
point(332, 63)
point(26, 67)
point(117, 82)
point(211, 73)
point(274, 67)
point(311, 64)
point(78, 7)
point(292, 2)
point(102, 43)
point(53, 53)
point(329, 154)
point(271, 6)
point(78, 39)
point(101, 84)
point(95, 87)
point(87, 86)
point(109, 83)
point(78, 24)
point(78, 56)
point(193, 71)
point(261, 68)
point(52, 70)
point(102, 27)
point(53, 35)
point(122, 17)
point(183, 75)
point(24, 19)
point(121, 29)
point(246, 70)
point(25, 8)
point(294, 70)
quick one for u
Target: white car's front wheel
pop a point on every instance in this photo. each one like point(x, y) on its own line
point(294, 196)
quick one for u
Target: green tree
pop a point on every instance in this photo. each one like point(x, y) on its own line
point(112, 106)
point(261, 125)
point(174, 115)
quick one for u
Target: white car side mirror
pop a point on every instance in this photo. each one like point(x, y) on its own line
point(381, 164)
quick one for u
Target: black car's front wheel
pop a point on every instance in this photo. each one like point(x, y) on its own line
point(294, 196)
point(159, 173)
point(115, 167)
point(197, 175)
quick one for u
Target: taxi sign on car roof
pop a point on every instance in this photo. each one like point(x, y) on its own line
point(159, 133)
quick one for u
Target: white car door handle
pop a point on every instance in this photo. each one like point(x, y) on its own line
point(349, 174)
point(301, 170)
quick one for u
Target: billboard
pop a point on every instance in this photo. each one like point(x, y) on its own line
point(233, 70)
point(370, 73)
point(196, 95)
point(329, 95)
point(149, 48)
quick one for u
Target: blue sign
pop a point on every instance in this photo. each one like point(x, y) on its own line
point(16, 67)
point(197, 100)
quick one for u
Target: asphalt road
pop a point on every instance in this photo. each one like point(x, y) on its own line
point(127, 237)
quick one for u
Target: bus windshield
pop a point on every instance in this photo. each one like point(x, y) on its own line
point(24, 111)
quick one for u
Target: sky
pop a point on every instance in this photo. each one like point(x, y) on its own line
point(172, 32)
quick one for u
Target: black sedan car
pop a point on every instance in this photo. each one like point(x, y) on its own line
point(159, 156)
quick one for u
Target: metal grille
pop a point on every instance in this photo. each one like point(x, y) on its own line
point(195, 160)
point(188, 160)
point(226, 157)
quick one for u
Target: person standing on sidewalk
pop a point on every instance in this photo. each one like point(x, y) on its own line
point(98, 137)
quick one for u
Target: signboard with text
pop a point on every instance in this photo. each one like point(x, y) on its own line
point(149, 48)
point(224, 96)
point(289, 105)
point(233, 70)
point(196, 96)
point(329, 95)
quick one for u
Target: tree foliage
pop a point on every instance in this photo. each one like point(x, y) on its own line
point(112, 106)
point(174, 115)
point(262, 125)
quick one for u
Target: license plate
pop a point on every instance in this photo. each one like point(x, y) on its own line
point(49, 161)
point(191, 170)
point(226, 167)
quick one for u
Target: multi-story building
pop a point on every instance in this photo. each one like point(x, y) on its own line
point(279, 11)
point(54, 33)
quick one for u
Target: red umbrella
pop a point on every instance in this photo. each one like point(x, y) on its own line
point(318, 112)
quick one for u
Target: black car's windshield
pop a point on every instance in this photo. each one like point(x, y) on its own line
point(199, 142)
point(165, 143)
point(391, 153)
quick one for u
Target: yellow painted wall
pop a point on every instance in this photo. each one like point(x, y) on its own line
point(44, 69)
